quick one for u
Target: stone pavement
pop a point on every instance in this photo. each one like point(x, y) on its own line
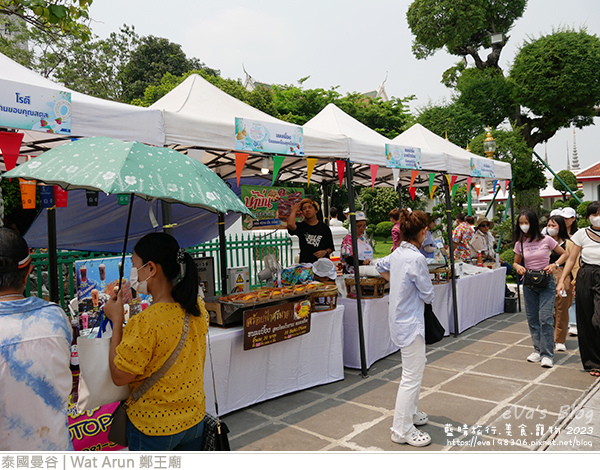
point(478, 389)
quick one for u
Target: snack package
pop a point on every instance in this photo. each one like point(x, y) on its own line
point(297, 274)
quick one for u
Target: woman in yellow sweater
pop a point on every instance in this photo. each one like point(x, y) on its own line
point(170, 415)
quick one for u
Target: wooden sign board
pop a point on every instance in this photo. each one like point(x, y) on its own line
point(269, 325)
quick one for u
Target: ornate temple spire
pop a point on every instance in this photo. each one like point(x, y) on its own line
point(575, 166)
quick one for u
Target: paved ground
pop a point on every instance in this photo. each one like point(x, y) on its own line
point(478, 389)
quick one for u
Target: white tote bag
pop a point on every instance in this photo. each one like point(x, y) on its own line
point(96, 387)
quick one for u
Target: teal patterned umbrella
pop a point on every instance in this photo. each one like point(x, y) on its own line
point(114, 167)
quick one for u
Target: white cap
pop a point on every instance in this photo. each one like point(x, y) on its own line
point(568, 212)
point(360, 216)
point(324, 267)
point(556, 212)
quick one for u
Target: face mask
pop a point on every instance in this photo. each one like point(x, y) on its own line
point(595, 221)
point(552, 232)
point(141, 287)
point(524, 228)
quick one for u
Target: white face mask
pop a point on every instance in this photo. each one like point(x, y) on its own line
point(552, 231)
point(524, 228)
point(595, 220)
point(141, 287)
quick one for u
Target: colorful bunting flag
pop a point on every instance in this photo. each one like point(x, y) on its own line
point(454, 189)
point(413, 176)
point(431, 191)
point(277, 162)
point(411, 191)
point(310, 166)
point(431, 180)
point(341, 167)
point(10, 145)
point(240, 161)
point(395, 175)
point(374, 170)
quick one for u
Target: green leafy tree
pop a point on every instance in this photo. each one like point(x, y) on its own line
point(569, 179)
point(53, 17)
point(381, 201)
point(454, 121)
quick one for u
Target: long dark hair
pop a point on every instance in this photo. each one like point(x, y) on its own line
point(161, 248)
point(563, 232)
point(411, 224)
point(534, 227)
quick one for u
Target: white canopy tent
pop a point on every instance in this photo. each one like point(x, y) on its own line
point(90, 116)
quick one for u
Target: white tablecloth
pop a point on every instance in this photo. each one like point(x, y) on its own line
point(478, 297)
point(244, 378)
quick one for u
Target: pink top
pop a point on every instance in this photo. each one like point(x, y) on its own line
point(396, 236)
point(537, 253)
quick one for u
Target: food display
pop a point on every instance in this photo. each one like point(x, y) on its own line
point(269, 294)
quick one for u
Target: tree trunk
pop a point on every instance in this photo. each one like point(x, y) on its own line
point(528, 199)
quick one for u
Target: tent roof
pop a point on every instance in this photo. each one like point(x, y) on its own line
point(199, 115)
point(90, 116)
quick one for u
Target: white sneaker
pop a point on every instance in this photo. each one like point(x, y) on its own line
point(560, 347)
point(534, 357)
point(420, 418)
point(415, 438)
point(572, 330)
point(547, 362)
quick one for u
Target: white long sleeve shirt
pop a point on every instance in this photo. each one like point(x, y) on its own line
point(410, 290)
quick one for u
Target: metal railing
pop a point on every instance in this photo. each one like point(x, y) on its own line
point(245, 250)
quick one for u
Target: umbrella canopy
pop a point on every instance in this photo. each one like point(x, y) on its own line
point(113, 166)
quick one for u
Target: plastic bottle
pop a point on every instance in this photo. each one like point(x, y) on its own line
point(74, 355)
point(479, 259)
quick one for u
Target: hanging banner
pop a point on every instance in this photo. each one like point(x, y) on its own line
point(240, 161)
point(28, 193)
point(10, 147)
point(46, 196)
point(91, 197)
point(268, 137)
point(482, 168)
point(60, 196)
point(277, 162)
point(35, 108)
point(407, 158)
point(341, 168)
point(270, 205)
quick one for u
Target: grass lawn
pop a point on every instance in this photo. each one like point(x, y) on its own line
point(382, 248)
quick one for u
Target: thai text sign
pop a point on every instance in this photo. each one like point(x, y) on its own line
point(482, 168)
point(35, 108)
point(269, 325)
point(267, 137)
point(270, 205)
point(407, 158)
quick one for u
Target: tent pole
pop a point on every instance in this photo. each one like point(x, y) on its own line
point(399, 196)
point(167, 217)
point(492, 201)
point(451, 245)
point(325, 202)
point(52, 255)
point(352, 215)
point(222, 253)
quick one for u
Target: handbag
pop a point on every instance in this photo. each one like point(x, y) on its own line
point(215, 431)
point(533, 278)
point(434, 331)
point(96, 387)
point(117, 432)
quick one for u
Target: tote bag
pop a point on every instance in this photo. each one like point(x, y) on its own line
point(96, 387)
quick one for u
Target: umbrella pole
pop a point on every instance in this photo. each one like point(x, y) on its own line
point(122, 265)
point(52, 255)
point(167, 217)
point(222, 253)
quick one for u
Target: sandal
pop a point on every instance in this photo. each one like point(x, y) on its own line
point(415, 438)
point(595, 372)
point(420, 418)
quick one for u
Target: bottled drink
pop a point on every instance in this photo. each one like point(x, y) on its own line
point(479, 259)
point(74, 355)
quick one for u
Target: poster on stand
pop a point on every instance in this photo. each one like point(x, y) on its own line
point(34, 108)
point(270, 205)
point(268, 137)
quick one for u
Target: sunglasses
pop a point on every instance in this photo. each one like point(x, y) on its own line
point(484, 225)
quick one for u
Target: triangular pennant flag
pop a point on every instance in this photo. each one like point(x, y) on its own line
point(495, 184)
point(341, 167)
point(431, 180)
point(240, 161)
point(277, 162)
point(395, 175)
point(412, 190)
point(452, 182)
point(60, 196)
point(413, 176)
point(454, 189)
point(310, 166)
point(469, 179)
point(10, 144)
point(374, 170)
point(506, 184)
point(433, 188)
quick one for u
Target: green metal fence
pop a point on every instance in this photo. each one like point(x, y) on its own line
point(246, 250)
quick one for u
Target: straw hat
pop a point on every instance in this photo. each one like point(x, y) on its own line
point(483, 220)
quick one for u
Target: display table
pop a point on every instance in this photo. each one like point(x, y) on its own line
point(478, 297)
point(244, 378)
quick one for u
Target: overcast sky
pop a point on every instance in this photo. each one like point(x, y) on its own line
point(347, 43)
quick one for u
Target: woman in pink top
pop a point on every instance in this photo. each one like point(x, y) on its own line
point(532, 251)
point(395, 219)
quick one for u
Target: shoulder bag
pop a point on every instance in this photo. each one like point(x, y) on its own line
point(434, 331)
point(117, 432)
point(534, 278)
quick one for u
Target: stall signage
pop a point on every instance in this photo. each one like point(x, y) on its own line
point(89, 430)
point(406, 158)
point(270, 205)
point(269, 325)
point(35, 108)
point(268, 137)
point(482, 168)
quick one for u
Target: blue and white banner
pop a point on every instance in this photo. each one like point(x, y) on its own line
point(35, 108)
point(482, 168)
point(267, 137)
point(406, 158)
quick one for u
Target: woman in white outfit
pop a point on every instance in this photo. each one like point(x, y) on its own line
point(406, 270)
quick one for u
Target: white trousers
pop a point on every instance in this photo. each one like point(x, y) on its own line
point(407, 400)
